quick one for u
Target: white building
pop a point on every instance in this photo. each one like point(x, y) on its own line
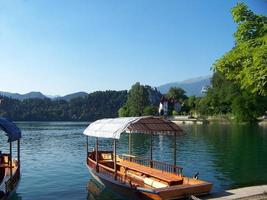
point(165, 104)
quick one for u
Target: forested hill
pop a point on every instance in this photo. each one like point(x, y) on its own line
point(88, 108)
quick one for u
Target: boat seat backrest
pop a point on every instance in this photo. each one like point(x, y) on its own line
point(105, 156)
point(5, 159)
point(154, 183)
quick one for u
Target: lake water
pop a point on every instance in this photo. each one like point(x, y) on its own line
point(53, 157)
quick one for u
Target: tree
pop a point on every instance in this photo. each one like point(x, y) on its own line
point(220, 96)
point(246, 62)
point(150, 110)
point(89, 108)
point(226, 97)
point(136, 102)
point(191, 104)
point(123, 111)
point(176, 93)
point(142, 100)
point(247, 107)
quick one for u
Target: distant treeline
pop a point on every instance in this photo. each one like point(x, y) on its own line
point(96, 105)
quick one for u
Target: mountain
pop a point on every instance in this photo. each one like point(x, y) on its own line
point(71, 96)
point(39, 95)
point(21, 97)
point(191, 86)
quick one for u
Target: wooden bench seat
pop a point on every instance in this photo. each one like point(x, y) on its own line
point(171, 179)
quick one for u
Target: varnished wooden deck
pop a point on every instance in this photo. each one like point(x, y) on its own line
point(170, 178)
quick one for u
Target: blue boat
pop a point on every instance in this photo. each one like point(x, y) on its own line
point(9, 166)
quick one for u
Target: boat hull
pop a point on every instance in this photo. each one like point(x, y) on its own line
point(15, 183)
point(181, 192)
point(122, 190)
point(125, 190)
point(13, 192)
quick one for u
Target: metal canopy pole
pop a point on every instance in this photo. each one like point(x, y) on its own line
point(174, 153)
point(151, 150)
point(10, 155)
point(18, 150)
point(115, 159)
point(87, 147)
point(96, 154)
point(130, 144)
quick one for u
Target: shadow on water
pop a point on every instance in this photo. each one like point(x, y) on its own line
point(16, 197)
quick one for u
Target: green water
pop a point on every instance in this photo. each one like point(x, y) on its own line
point(53, 157)
point(237, 153)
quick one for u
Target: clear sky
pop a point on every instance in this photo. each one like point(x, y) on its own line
point(64, 46)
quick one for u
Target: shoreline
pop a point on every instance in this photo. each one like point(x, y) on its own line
point(211, 120)
point(253, 192)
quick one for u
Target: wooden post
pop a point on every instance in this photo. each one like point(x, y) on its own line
point(96, 154)
point(115, 159)
point(18, 150)
point(174, 153)
point(151, 150)
point(10, 155)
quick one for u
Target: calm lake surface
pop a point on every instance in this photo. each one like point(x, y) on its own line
point(53, 157)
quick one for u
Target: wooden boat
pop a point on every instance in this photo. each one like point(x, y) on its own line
point(9, 167)
point(139, 177)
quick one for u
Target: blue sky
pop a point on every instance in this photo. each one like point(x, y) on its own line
point(63, 46)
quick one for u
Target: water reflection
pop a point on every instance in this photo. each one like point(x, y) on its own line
point(240, 153)
point(15, 196)
point(96, 191)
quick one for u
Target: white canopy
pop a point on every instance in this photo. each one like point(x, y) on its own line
point(113, 127)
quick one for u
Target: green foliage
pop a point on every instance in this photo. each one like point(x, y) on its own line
point(226, 97)
point(246, 62)
point(184, 108)
point(136, 102)
point(142, 100)
point(191, 102)
point(247, 107)
point(176, 93)
point(92, 107)
point(174, 112)
point(123, 111)
point(193, 105)
point(219, 97)
point(240, 82)
point(150, 110)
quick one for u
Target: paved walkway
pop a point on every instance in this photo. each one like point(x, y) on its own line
point(241, 193)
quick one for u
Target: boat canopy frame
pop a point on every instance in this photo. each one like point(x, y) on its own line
point(12, 131)
point(114, 127)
